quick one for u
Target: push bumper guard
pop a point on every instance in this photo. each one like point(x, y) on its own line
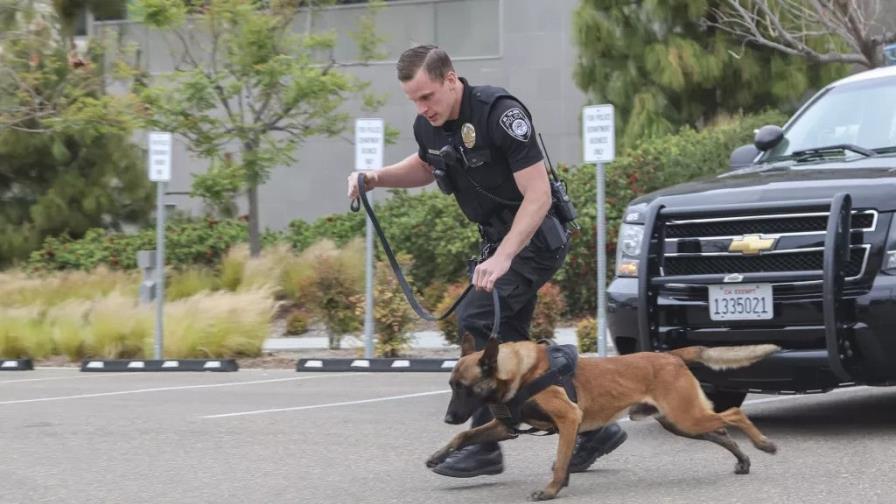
point(836, 250)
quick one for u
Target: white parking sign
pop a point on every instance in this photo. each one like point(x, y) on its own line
point(598, 134)
point(159, 147)
point(369, 138)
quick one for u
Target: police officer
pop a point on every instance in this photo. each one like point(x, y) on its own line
point(477, 143)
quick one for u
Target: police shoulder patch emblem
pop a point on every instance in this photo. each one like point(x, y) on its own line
point(516, 124)
point(468, 133)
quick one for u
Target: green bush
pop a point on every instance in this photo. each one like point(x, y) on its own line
point(297, 322)
point(334, 289)
point(338, 228)
point(449, 325)
point(187, 242)
point(428, 226)
point(586, 331)
point(189, 282)
point(549, 307)
point(651, 165)
point(392, 314)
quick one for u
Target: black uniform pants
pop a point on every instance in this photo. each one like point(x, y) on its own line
point(517, 293)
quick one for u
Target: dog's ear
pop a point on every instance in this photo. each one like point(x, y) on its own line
point(467, 345)
point(489, 360)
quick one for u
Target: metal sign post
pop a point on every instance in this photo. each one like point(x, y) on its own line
point(599, 144)
point(159, 164)
point(369, 146)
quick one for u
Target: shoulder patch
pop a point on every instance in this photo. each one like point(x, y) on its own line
point(516, 124)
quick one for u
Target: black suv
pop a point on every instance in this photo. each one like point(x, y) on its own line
point(795, 245)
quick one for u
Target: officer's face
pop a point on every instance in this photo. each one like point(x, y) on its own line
point(434, 100)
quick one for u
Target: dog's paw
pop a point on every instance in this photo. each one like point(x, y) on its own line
point(437, 458)
point(742, 467)
point(541, 495)
point(767, 446)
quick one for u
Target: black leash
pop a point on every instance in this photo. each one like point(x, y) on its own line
point(408, 292)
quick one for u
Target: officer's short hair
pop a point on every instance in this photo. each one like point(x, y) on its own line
point(432, 59)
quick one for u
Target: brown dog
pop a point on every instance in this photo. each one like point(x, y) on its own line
point(651, 384)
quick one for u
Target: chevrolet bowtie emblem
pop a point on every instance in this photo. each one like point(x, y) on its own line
point(751, 244)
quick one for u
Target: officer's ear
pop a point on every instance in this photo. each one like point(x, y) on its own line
point(451, 79)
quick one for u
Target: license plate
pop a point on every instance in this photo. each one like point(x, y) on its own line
point(740, 302)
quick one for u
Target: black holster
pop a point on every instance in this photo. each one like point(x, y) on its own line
point(553, 232)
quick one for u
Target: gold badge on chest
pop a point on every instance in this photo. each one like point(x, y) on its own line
point(468, 133)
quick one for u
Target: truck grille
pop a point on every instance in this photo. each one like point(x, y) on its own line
point(701, 246)
point(797, 261)
point(765, 224)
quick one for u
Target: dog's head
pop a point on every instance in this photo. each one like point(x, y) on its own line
point(473, 381)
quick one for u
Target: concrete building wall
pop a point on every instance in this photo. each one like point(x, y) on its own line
point(523, 45)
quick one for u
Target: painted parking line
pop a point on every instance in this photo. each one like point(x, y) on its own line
point(328, 405)
point(183, 387)
point(78, 377)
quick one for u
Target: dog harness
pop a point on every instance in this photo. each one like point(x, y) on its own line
point(563, 360)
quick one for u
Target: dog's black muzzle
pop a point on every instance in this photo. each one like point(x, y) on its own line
point(463, 404)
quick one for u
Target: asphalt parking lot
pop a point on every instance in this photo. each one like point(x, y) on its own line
point(277, 436)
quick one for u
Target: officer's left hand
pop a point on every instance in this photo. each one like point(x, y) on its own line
point(488, 272)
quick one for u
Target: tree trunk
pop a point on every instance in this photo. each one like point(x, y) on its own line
point(254, 236)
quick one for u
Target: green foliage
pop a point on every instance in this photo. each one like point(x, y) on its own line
point(335, 287)
point(96, 314)
point(339, 228)
point(231, 269)
point(276, 87)
point(186, 242)
point(297, 322)
point(66, 161)
point(586, 335)
point(188, 282)
point(548, 309)
point(430, 228)
point(662, 68)
point(427, 226)
point(449, 325)
point(392, 314)
point(651, 165)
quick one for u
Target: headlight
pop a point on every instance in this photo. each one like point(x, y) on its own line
point(890, 262)
point(889, 266)
point(628, 249)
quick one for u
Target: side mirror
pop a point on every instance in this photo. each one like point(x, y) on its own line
point(742, 156)
point(768, 137)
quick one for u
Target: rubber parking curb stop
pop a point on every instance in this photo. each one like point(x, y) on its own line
point(16, 365)
point(96, 365)
point(381, 365)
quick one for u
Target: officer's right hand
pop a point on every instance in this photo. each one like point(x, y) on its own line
point(370, 180)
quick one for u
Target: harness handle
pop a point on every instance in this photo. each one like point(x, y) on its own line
point(405, 287)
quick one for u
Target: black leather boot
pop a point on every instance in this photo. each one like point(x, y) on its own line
point(474, 460)
point(593, 444)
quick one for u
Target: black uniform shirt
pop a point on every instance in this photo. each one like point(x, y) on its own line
point(505, 142)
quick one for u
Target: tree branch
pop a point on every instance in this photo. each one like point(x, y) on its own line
point(791, 26)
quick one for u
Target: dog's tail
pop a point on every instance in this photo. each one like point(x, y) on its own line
point(719, 358)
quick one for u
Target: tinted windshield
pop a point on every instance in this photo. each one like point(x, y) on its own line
point(861, 113)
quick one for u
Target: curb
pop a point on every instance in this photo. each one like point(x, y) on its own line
point(16, 365)
point(166, 365)
point(377, 365)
